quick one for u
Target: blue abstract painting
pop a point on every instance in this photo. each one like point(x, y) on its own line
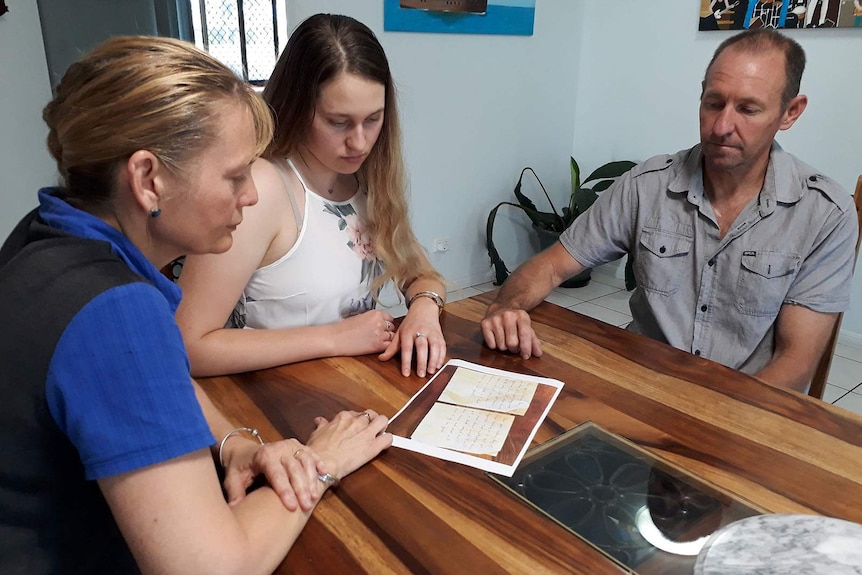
point(511, 17)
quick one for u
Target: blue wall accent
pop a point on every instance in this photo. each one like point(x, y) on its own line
point(499, 19)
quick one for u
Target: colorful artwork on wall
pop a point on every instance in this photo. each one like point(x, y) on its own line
point(512, 17)
point(782, 14)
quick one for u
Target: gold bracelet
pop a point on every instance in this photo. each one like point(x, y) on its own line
point(232, 432)
point(430, 295)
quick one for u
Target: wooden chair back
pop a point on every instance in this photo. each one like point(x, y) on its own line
point(818, 382)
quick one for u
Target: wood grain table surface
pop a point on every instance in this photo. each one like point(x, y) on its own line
point(404, 512)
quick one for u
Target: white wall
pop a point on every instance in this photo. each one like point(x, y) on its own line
point(639, 81)
point(25, 164)
point(475, 110)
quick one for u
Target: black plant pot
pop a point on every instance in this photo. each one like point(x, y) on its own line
point(547, 239)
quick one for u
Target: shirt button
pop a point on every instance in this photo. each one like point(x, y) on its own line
point(662, 250)
point(697, 352)
point(711, 262)
point(703, 308)
point(812, 178)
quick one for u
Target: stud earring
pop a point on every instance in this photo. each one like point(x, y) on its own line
point(155, 212)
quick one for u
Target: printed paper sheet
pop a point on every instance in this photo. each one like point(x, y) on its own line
point(475, 415)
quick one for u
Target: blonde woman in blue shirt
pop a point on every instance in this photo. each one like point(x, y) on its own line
point(106, 456)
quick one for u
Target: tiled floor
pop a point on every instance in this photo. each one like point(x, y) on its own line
point(606, 299)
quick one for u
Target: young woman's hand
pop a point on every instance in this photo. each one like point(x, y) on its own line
point(419, 334)
point(369, 332)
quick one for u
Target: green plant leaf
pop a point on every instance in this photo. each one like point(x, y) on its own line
point(631, 281)
point(611, 170)
point(501, 272)
point(545, 220)
point(528, 204)
point(585, 197)
point(603, 185)
point(522, 199)
point(576, 175)
point(548, 220)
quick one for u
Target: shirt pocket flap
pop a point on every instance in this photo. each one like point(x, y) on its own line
point(770, 264)
point(664, 244)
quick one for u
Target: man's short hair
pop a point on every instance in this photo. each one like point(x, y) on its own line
point(764, 39)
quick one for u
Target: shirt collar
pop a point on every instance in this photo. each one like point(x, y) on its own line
point(689, 178)
point(783, 177)
point(58, 214)
point(778, 185)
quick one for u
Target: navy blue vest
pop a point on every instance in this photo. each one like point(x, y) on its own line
point(51, 519)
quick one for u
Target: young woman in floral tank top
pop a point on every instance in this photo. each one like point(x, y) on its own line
point(330, 228)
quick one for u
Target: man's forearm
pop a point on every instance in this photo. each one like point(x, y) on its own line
point(520, 291)
point(531, 283)
point(801, 337)
point(785, 373)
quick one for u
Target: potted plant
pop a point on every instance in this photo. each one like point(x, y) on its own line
point(549, 225)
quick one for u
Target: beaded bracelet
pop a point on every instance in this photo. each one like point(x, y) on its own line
point(251, 430)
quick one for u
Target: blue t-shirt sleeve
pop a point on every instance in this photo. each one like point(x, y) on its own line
point(119, 385)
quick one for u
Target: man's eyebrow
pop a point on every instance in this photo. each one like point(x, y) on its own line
point(744, 100)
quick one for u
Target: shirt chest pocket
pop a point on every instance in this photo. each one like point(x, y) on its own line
point(660, 260)
point(764, 279)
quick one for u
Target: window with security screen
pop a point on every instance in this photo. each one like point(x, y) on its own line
point(247, 35)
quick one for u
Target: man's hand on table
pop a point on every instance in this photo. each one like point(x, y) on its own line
point(508, 329)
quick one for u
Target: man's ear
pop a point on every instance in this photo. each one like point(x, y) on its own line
point(793, 110)
point(144, 174)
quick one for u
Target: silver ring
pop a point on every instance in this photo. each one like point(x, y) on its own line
point(420, 334)
point(388, 325)
point(367, 416)
point(328, 479)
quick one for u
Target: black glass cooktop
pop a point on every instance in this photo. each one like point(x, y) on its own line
point(640, 511)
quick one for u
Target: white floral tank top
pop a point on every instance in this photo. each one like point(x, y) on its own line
point(325, 277)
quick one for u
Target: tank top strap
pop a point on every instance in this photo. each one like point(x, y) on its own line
point(297, 215)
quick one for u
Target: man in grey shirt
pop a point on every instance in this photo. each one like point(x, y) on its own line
point(743, 253)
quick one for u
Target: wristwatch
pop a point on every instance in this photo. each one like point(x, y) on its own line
point(430, 295)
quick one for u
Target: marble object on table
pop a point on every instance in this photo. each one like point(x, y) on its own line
point(783, 544)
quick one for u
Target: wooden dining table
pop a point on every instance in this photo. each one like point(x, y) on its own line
point(778, 450)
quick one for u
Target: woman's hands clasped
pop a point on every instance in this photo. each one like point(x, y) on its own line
point(294, 470)
point(349, 440)
point(290, 467)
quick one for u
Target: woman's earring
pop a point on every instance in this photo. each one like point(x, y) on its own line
point(155, 212)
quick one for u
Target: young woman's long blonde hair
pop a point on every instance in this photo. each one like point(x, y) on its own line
point(322, 47)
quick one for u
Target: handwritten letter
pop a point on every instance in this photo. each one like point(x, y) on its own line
point(464, 429)
point(487, 391)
